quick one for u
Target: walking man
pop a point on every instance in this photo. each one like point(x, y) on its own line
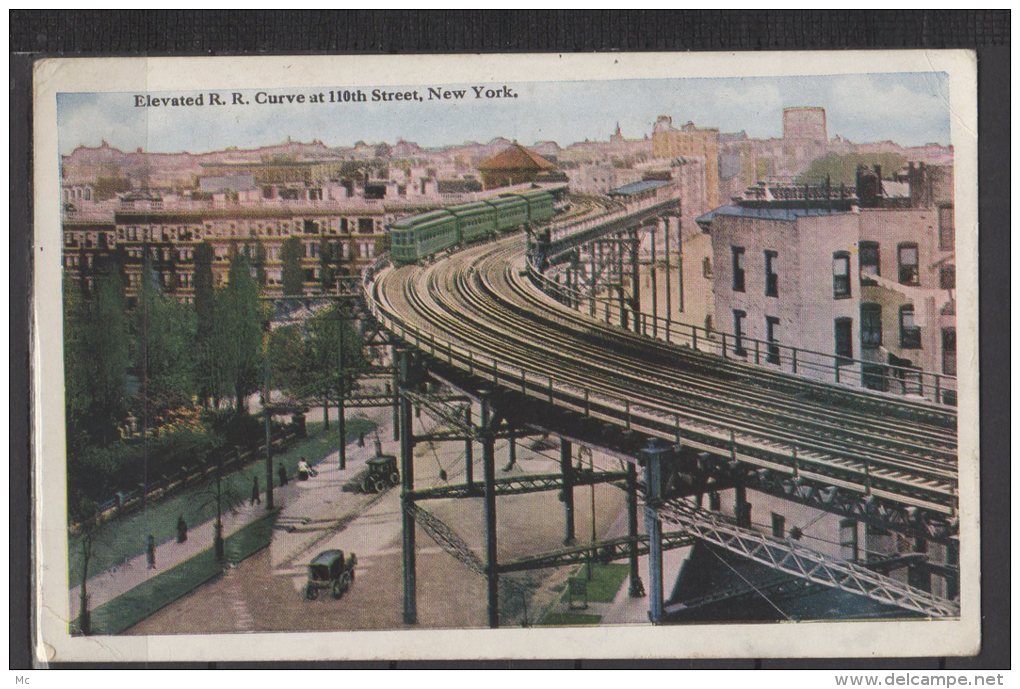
point(150, 551)
point(255, 498)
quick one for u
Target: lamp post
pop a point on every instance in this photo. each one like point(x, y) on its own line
point(265, 415)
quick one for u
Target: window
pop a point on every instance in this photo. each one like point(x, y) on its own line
point(738, 269)
point(706, 267)
point(907, 255)
point(910, 334)
point(947, 234)
point(869, 262)
point(778, 525)
point(949, 351)
point(871, 326)
point(848, 544)
point(771, 324)
point(771, 278)
point(844, 341)
point(738, 332)
point(840, 275)
point(947, 276)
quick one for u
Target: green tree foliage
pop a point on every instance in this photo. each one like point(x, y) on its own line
point(208, 358)
point(102, 358)
point(259, 263)
point(164, 332)
point(330, 261)
point(77, 395)
point(842, 169)
point(241, 322)
point(293, 276)
point(306, 358)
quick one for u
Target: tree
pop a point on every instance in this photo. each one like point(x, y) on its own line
point(224, 498)
point(306, 359)
point(241, 321)
point(85, 513)
point(329, 264)
point(259, 263)
point(293, 276)
point(77, 395)
point(164, 331)
point(205, 313)
point(104, 343)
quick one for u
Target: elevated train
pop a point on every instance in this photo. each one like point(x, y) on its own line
point(419, 236)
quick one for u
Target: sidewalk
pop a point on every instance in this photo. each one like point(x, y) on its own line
point(121, 578)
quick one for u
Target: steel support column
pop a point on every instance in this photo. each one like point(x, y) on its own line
point(651, 458)
point(637, 589)
point(679, 262)
point(469, 451)
point(568, 489)
point(635, 279)
point(489, 469)
point(395, 384)
point(655, 283)
point(511, 449)
point(407, 486)
point(669, 278)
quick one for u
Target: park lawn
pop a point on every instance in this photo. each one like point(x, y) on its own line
point(569, 619)
point(123, 538)
point(605, 582)
point(130, 608)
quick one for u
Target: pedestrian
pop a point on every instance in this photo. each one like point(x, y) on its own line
point(304, 470)
point(283, 475)
point(150, 552)
point(361, 439)
point(255, 498)
point(182, 529)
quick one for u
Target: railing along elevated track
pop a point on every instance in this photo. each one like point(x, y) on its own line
point(477, 313)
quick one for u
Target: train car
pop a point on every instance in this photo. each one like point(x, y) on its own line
point(511, 211)
point(540, 205)
point(413, 238)
point(474, 220)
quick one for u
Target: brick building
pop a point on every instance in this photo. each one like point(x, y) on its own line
point(350, 235)
point(866, 287)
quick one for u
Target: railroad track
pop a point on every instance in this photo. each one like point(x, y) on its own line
point(477, 303)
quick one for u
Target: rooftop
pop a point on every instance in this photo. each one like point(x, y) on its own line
point(516, 157)
point(635, 188)
point(766, 213)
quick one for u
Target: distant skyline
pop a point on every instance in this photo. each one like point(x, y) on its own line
point(910, 109)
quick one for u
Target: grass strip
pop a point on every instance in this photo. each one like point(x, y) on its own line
point(605, 582)
point(131, 607)
point(569, 619)
point(123, 538)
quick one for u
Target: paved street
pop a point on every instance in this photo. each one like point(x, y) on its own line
point(265, 592)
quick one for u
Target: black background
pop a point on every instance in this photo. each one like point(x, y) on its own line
point(139, 33)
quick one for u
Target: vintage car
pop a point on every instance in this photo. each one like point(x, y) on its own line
point(382, 474)
point(330, 570)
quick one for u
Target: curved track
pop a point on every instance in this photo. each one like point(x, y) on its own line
point(477, 305)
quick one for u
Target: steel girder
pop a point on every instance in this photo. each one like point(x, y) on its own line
point(518, 485)
point(600, 551)
point(445, 537)
point(790, 557)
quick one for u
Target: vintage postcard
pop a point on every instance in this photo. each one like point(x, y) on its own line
point(506, 356)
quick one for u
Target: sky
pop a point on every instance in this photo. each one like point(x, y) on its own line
point(908, 108)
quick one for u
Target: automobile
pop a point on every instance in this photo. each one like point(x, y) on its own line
point(330, 570)
point(382, 474)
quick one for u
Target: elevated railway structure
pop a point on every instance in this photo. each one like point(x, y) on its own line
point(695, 422)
